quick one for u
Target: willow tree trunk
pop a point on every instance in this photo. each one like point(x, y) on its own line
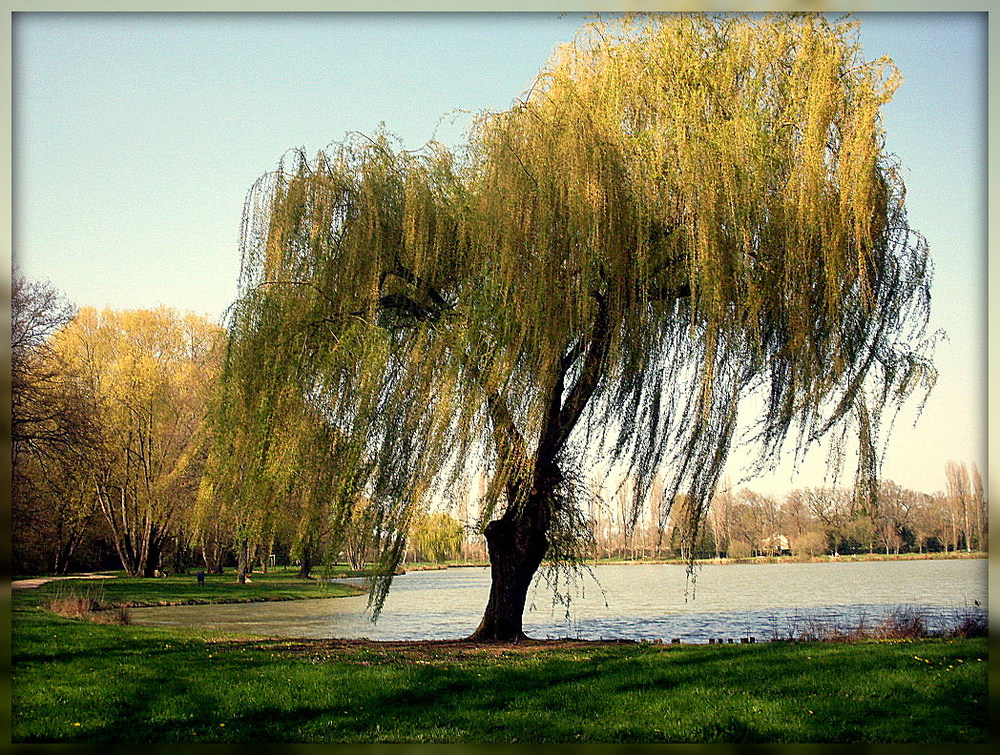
point(516, 543)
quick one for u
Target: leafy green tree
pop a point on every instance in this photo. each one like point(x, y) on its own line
point(436, 537)
point(151, 374)
point(53, 508)
point(270, 469)
point(357, 536)
point(682, 211)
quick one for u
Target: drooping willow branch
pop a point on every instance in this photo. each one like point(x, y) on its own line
point(682, 212)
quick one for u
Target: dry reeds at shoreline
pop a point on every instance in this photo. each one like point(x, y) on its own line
point(88, 604)
point(900, 623)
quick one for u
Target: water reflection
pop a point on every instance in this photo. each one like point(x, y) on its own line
point(652, 602)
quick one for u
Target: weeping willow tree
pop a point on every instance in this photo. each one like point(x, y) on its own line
point(681, 212)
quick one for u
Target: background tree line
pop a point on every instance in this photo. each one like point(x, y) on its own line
point(112, 427)
point(109, 430)
point(113, 420)
point(807, 522)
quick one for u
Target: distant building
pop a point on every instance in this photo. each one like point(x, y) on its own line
point(776, 545)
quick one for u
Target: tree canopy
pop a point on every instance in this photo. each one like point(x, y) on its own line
point(148, 376)
point(681, 211)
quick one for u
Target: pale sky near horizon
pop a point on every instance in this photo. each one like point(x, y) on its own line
point(136, 138)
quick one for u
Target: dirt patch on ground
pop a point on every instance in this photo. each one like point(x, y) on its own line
point(414, 651)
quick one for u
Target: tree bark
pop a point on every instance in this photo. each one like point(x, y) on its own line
point(244, 561)
point(152, 559)
point(211, 555)
point(65, 552)
point(305, 565)
point(516, 544)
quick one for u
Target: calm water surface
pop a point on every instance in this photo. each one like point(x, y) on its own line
point(622, 601)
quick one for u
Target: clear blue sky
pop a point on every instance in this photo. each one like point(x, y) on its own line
point(136, 137)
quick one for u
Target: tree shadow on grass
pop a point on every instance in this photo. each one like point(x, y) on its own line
point(291, 691)
point(431, 703)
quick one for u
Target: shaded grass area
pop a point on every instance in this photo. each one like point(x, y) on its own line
point(77, 681)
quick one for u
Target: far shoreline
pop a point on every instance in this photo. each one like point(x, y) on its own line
point(726, 561)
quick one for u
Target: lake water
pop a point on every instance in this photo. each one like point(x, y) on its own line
point(634, 601)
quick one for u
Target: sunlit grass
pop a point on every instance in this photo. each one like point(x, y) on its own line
point(79, 681)
point(118, 589)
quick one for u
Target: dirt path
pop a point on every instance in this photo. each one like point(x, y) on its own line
point(25, 584)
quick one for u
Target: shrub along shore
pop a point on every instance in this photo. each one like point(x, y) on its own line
point(75, 680)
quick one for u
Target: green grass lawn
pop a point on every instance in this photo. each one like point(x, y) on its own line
point(119, 589)
point(78, 681)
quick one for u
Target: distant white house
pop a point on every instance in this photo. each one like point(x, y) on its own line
point(776, 544)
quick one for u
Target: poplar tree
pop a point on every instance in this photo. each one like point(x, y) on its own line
point(681, 212)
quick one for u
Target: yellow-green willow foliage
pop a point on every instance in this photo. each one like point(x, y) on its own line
point(680, 212)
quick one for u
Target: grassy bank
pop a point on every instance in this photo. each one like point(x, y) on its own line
point(78, 681)
point(119, 590)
